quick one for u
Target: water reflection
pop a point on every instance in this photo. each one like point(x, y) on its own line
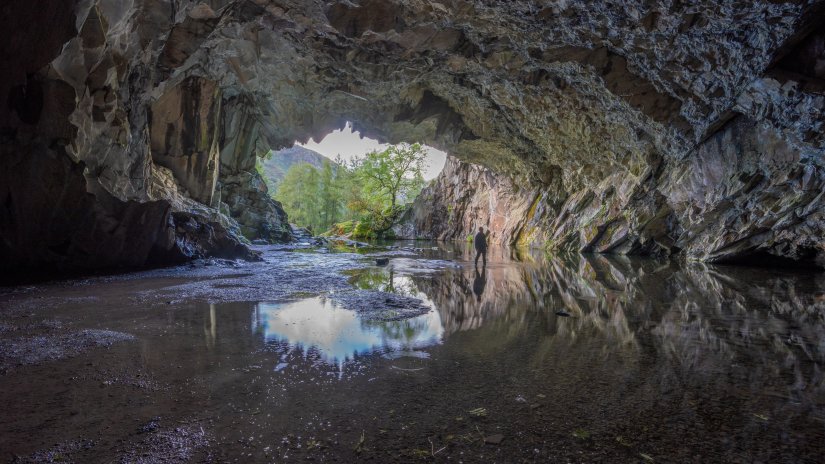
point(338, 334)
point(695, 353)
point(673, 325)
point(480, 282)
point(682, 363)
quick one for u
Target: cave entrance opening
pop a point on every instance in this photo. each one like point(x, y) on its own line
point(347, 183)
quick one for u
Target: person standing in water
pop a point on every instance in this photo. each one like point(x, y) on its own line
point(480, 241)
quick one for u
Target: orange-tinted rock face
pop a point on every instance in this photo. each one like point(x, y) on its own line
point(465, 197)
point(647, 126)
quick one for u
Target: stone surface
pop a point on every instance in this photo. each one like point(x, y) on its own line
point(465, 196)
point(641, 126)
point(48, 216)
point(184, 135)
point(745, 196)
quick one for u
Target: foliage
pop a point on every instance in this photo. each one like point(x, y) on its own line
point(310, 197)
point(259, 166)
point(275, 164)
point(342, 228)
point(393, 175)
point(364, 198)
point(364, 231)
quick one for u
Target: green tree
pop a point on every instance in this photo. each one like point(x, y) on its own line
point(395, 173)
point(369, 191)
point(330, 198)
point(299, 193)
point(386, 180)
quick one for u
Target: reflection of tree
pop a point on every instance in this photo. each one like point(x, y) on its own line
point(384, 280)
point(404, 334)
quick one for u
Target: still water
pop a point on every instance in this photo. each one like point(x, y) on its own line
point(533, 359)
point(337, 335)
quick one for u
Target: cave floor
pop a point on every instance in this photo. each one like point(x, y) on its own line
point(536, 359)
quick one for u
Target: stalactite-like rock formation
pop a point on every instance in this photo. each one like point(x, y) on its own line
point(130, 129)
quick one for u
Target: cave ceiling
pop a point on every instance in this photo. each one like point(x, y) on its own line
point(536, 88)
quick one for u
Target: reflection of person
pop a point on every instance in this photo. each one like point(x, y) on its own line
point(480, 241)
point(479, 283)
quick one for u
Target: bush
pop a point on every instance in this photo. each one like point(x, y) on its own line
point(342, 228)
point(364, 231)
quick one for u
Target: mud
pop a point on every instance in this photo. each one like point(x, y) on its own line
point(178, 445)
point(61, 453)
point(34, 350)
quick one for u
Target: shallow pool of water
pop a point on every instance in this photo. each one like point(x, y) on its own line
point(533, 359)
point(338, 335)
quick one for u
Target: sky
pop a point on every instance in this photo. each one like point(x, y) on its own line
point(350, 144)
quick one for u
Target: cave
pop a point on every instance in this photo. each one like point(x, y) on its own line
point(155, 113)
point(611, 141)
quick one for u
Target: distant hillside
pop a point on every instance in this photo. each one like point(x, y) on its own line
point(275, 168)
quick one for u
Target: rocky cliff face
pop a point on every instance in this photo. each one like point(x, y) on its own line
point(465, 196)
point(649, 126)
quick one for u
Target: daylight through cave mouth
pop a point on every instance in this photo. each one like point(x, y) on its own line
point(347, 184)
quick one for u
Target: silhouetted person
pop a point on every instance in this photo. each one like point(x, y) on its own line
point(479, 283)
point(480, 241)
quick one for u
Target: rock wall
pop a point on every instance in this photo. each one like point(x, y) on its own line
point(744, 196)
point(104, 166)
point(464, 197)
point(646, 126)
point(184, 130)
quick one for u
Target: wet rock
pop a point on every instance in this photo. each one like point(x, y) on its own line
point(495, 439)
point(178, 445)
point(301, 233)
point(421, 266)
point(84, 232)
point(199, 238)
point(4, 327)
point(151, 426)
point(382, 261)
point(374, 305)
point(346, 242)
point(44, 348)
point(60, 453)
point(284, 270)
point(465, 196)
point(745, 196)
